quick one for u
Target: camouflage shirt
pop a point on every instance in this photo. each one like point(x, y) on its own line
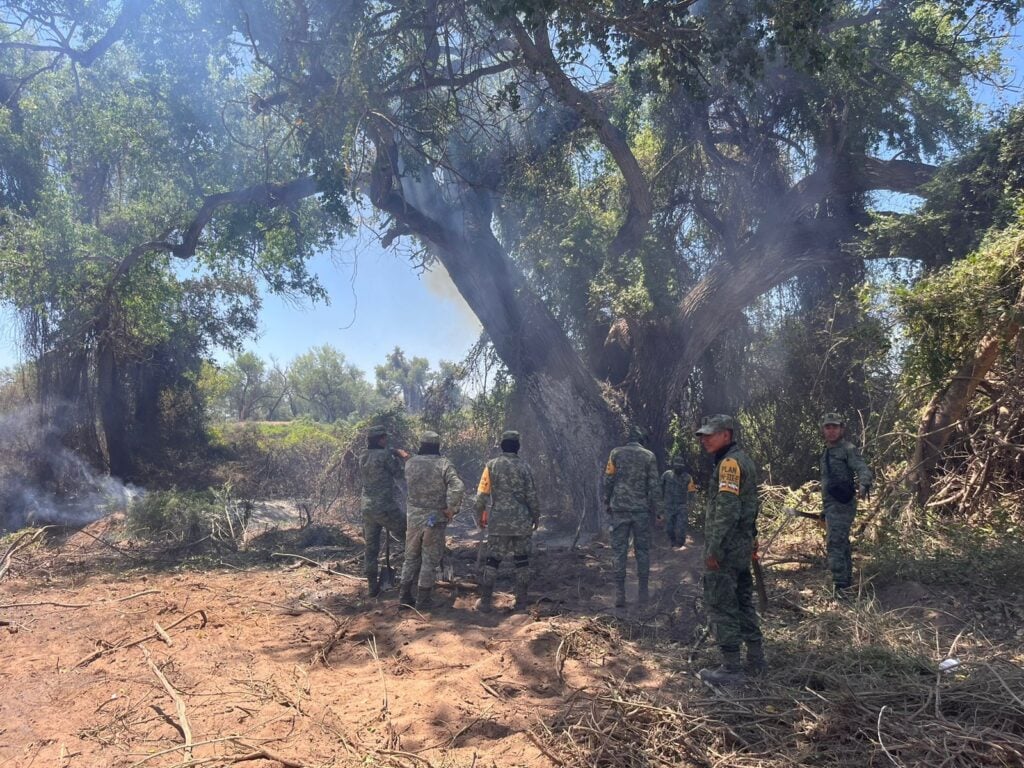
point(378, 470)
point(433, 485)
point(631, 480)
point(507, 482)
point(731, 524)
point(848, 466)
point(675, 490)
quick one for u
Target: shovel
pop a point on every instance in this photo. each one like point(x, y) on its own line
point(387, 573)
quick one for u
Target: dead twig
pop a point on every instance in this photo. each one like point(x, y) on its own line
point(179, 703)
point(321, 566)
point(26, 539)
point(152, 636)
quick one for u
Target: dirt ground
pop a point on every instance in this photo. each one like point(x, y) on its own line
point(111, 658)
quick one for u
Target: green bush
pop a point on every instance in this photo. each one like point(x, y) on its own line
point(188, 518)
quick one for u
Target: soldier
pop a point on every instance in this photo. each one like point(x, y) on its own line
point(843, 473)
point(435, 493)
point(507, 483)
point(730, 534)
point(379, 468)
point(677, 491)
point(631, 494)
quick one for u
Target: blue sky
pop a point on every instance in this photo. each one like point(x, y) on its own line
point(378, 300)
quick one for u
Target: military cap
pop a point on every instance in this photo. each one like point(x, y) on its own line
point(430, 438)
point(638, 434)
point(678, 461)
point(509, 434)
point(832, 418)
point(717, 423)
point(377, 431)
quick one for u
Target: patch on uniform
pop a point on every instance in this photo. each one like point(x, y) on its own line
point(610, 468)
point(485, 481)
point(729, 476)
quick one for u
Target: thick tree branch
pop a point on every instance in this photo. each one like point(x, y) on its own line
point(538, 55)
point(131, 11)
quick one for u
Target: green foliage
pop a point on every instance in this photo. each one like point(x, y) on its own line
point(180, 517)
point(327, 388)
point(980, 556)
point(981, 190)
point(947, 313)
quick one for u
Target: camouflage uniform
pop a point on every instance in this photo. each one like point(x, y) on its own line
point(435, 491)
point(677, 489)
point(379, 468)
point(841, 465)
point(507, 484)
point(631, 493)
point(730, 529)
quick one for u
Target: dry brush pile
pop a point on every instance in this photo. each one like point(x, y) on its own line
point(856, 684)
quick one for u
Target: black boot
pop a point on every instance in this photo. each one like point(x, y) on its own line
point(730, 672)
point(372, 583)
point(620, 593)
point(756, 664)
point(486, 602)
point(405, 596)
point(643, 596)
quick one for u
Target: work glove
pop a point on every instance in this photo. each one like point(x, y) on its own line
point(711, 562)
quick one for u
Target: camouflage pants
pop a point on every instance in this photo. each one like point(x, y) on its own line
point(675, 525)
point(501, 547)
point(424, 550)
point(838, 522)
point(729, 602)
point(373, 522)
point(638, 526)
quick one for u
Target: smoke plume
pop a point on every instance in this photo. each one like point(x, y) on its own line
point(45, 483)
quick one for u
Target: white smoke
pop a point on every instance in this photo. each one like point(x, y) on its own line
point(45, 483)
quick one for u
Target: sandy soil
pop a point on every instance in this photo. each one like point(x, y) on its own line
point(111, 659)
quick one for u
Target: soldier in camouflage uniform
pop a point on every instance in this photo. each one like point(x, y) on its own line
point(379, 468)
point(677, 490)
point(843, 473)
point(631, 494)
point(507, 484)
point(435, 493)
point(730, 533)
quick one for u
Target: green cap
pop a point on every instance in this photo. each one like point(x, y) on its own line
point(377, 431)
point(717, 423)
point(509, 434)
point(677, 461)
point(832, 418)
point(638, 434)
point(430, 438)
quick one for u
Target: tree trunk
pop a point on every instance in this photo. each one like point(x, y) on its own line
point(578, 425)
point(113, 412)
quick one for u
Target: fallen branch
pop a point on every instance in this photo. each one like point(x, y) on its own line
point(152, 636)
point(179, 703)
point(321, 566)
point(26, 539)
point(37, 603)
point(262, 753)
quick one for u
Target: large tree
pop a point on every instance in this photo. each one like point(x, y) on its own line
point(721, 154)
point(141, 154)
